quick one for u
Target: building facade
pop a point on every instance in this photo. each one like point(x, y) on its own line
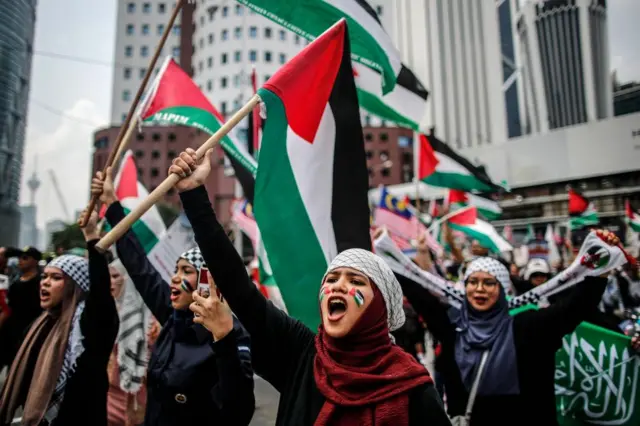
point(389, 152)
point(17, 24)
point(154, 149)
point(139, 28)
point(626, 99)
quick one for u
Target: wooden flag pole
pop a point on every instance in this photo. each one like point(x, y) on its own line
point(129, 124)
point(155, 196)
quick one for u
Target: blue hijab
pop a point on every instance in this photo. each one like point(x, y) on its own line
point(489, 330)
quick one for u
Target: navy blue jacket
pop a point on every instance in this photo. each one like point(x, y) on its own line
point(191, 379)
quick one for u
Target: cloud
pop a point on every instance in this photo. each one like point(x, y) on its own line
point(67, 151)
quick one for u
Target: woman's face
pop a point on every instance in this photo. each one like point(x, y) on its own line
point(483, 290)
point(344, 296)
point(51, 288)
point(117, 282)
point(180, 298)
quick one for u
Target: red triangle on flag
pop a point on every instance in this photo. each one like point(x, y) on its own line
point(628, 209)
point(577, 203)
point(457, 196)
point(427, 160)
point(305, 83)
point(465, 217)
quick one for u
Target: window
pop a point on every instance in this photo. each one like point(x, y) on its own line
point(140, 172)
point(367, 120)
point(176, 29)
point(379, 10)
point(236, 104)
point(146, 8)
point(267, 57)
point(201, 43)
point(384, 137)
point(369, 154)
point(156, 137)
point(128, 51)
point(209, 62)
point(140, 137)
point(172, 137)
point(127, 73)
point(239, 10)
point(223, 59)
point(209, 85)
point(131, 8)
point(370, 171)
point(253, 32)
point(297, 39)
point(267, 32)
point(139, 154)
point(126, 95)
point(385, 172)
point(202, 20)
point(253, 56)
point(154, 172)
point(225, 12)
point(211, 38)
point(144, 51)
point(129, 29)
point(368, 137)
point(283, 35)
point(267, 77)
point(200, 66)
point(160, 29)
point(237, 33)
point(143, 72)
point(236, 80)
point(176, 52)
point(237, 56)
point(225, 35)
point(223, 82)
point(171, 155)
point(283, 58)
point(223, 108)
point(155, 154)
point(124, 117)
point(161, 8)
point(145, 29)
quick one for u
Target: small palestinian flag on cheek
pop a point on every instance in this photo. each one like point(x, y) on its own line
point(357, 296)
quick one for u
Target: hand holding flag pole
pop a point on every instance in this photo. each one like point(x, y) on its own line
point(129, 124)
point(155, 196)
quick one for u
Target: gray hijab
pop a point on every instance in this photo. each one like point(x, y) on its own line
point(490, 330)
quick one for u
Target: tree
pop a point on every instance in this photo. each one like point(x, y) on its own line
point(68, 238)
point(168, 213)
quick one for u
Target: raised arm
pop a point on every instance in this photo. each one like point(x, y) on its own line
point(277, 339)
point(149, 283)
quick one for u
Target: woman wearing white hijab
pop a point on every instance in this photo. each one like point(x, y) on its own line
point(60, 374)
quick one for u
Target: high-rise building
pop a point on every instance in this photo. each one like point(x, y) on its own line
point(139, 28)
point(17, 24)
point(564, 54)
point(228, 41)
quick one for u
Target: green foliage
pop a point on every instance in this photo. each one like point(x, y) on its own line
point(69, 237)
point(168, 213)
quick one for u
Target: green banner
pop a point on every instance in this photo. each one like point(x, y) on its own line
point(596, 378)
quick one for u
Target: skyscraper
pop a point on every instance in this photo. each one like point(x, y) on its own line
point(17, 24)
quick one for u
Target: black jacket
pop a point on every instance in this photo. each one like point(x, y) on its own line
point(537, 337)
point(283, 347)
point(191, 379)
point(85, 397)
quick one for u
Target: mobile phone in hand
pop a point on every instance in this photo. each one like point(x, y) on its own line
point(204, 289)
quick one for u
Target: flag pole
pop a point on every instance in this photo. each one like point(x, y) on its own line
point(127, 128)
point(155, 196)
point(447, 216)
point(416, 165)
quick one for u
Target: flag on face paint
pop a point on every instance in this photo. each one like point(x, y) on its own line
point(466, 221)
point(312, 181)
point(439, 165)
point(488, 208)
point(582, 212)
point(130, 192)
point(632, 218)
point(175, 99)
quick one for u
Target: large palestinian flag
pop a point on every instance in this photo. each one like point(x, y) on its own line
point(487, 207)
point(311, 187)
point(175, 99)
point(581, 212)
point(130, 192)
point(466, 221)
point(632, 218)
point(439, 165)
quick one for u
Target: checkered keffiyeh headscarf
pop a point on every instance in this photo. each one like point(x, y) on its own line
point(75, 267)
point(194, 257)
point(490, 266)
point(379, 272)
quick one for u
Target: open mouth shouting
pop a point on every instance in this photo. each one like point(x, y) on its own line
point(337, 308)
point(175, 293)
point(45, 295)
point(480, 300)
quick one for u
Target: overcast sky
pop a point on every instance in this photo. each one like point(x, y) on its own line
point(80, 94)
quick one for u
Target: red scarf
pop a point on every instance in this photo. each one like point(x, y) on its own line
point(364, 377)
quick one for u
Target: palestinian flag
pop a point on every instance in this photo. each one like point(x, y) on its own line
point(582, 213)
point(488, 208)
point(175, 99)
point(130, 192)
point(370, 44)
point(632, 218)
point(311, 187)
point(466, 221)
point(439, 165)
